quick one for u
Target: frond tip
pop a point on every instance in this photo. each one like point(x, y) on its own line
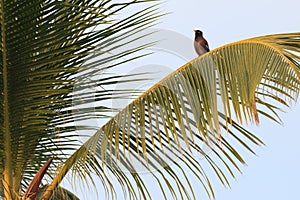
point(34, 186)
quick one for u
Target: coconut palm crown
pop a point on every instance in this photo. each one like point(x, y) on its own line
point(44, 48)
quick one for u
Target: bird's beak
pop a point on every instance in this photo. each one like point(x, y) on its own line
point(195, 30)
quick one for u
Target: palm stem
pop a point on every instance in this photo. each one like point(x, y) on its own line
point(7, 172)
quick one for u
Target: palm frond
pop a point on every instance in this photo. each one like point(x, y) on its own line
point(164, 129)
point(43, 46)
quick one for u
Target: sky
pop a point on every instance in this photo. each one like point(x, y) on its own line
point(275, 172)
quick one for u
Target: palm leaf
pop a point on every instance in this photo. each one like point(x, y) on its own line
point(43, 45)
point(195, 105)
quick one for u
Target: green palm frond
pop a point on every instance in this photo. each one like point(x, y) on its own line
point(195, 105)
point(43, 45)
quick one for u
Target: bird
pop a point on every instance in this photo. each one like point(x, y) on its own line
point(200, 43)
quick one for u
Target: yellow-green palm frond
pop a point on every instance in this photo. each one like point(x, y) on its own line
point(165, 129)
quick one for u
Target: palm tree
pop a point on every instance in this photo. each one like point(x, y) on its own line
point(44, 46)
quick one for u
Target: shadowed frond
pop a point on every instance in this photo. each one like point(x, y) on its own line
point(190, 115)
point(43, 46)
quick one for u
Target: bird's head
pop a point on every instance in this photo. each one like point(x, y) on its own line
point(198, 33)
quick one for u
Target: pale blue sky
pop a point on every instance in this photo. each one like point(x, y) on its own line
point(275, 172)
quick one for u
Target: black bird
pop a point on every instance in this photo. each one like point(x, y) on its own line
point(200, 43)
